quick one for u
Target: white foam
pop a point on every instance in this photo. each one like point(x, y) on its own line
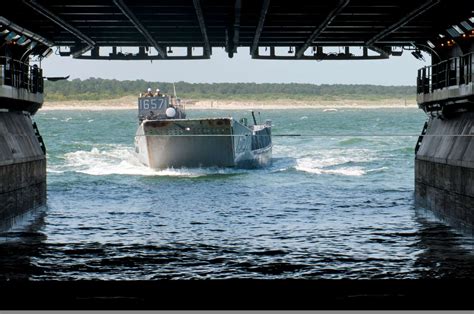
point(122, 160)
point(351, 171)
point(345, 171)
point(53, 170)
point(316, 167)
point(335, 162)
point(377, 169)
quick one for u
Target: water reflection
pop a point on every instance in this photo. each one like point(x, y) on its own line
point(20, 244)
point(439, 251)
point(445, 251)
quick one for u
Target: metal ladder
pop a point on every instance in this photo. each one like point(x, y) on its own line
point(39, 137)
point(420, 138)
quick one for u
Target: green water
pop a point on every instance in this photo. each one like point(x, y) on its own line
point(337, 202)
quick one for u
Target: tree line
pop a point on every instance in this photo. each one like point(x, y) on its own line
point(97, 88)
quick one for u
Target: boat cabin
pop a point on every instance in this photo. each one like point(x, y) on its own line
point(160, 108)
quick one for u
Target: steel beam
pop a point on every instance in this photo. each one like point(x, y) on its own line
point(63, 24)
point(329, 57)
point(10, 25)
point(323, 57)
point(232, 46)
point(80, 51)
point(202, 25)
point(138, 25)
point(146, 57)
point(319, 54)
point(402, 22)
point(379, 50)
point(258, 31)
point(340, 6)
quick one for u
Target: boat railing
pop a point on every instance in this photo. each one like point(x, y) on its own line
point(452, 72)
point(21, 75)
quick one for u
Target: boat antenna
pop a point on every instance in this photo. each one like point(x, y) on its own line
point(174, 91)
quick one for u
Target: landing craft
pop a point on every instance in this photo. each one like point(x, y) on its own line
point(165, 138)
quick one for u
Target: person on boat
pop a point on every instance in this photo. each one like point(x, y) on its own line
point(149, 93)
point(158, 93)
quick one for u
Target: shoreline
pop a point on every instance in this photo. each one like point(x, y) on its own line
point(129, 103)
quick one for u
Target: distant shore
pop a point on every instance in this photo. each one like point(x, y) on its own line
point(128, 103)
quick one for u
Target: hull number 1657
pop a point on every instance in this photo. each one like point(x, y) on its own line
point(151, 103)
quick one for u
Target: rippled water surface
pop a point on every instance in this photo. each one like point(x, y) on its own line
point(336, 203)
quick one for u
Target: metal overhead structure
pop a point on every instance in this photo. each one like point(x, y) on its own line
point(202, 26)
point(403, 21)
point(270, 29)
point(10, 25)
point(329, 18)
point(65, 25)
point(258, 31)
point(136, 22)
point(233, 39)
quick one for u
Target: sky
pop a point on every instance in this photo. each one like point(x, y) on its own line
point(242, 68)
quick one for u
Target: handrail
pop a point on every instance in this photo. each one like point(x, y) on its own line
point(451, 72)
point(19, 74)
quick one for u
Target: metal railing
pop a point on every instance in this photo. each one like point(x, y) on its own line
point(452, 72)
point(21, 75)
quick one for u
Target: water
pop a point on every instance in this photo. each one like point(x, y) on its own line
point(332, 205)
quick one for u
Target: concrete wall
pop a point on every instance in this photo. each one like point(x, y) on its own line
point(22, 167)
point(444, 168)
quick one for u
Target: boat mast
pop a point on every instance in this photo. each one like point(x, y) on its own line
point(253, 116)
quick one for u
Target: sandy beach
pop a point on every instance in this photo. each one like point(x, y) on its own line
point(129, 102)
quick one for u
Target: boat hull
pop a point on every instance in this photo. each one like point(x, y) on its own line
point(221, 142)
